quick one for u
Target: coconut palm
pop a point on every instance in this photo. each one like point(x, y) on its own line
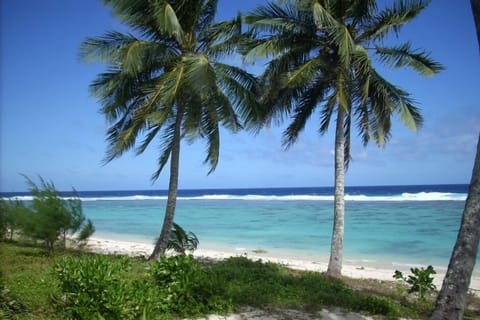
point(322, 59)
point(165, 82)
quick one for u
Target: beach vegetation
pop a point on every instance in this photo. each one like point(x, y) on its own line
point(49, 218)
point(12, 216)
point(420, 281)
point(9, 305)
point(167, 81)
point(182, 241)
point(322, 63)
point(75, 284)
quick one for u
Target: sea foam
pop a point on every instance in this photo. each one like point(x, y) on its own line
point(420, 196)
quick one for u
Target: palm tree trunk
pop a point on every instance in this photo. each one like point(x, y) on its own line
point(452, 297)
point(162, 241)
point(336, 252)
point(476, 17)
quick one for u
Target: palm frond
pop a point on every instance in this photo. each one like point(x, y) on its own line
point(152, 133)
point(327, 112)
point(166, 144)
point(345, 44)
point(323, 18)
point(169, 85)
point(222, 38)
point(122, 135)
point(391, 19)
point(137, 14)
point(167, 21)
point(242, 90)
point(182, 241)
point(304, 73)
point(208, 11)
point(212, 136)
point(275, 18)
point(302, 113)
point(361, 11)
point(199, 75)
point(402, 56)
point(384, 100)
point(105, 48)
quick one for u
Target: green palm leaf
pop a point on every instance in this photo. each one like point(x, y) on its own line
point(403, 56)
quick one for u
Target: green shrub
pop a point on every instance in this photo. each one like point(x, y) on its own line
point(93, 285)
point(13, 215)
point(187, 288)
point(420, 281)
point(49, 218)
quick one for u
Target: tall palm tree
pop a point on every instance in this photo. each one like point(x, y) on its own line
point(166, 82)
point(322, 60)
point(452, 298)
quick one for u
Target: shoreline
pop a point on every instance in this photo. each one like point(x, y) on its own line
point(351, 268)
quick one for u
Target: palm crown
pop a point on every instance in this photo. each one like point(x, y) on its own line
point(322, 56)
point(168, 77)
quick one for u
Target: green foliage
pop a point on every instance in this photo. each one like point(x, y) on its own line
point(51, 217)
point(69, 286)
point(420, 281)
point(180, 241)
point(9, 306)
point(187, 288)
point(95, 285)
point(86, 232)
point(13, 214)
point(173, 71)
point(261, 284)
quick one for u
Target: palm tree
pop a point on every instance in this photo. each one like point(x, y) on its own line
point(322, 59)
point(166, 82)
point(452, 298)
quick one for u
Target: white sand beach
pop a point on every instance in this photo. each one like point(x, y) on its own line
point(352, 269)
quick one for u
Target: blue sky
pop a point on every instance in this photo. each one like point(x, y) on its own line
point(50, 125)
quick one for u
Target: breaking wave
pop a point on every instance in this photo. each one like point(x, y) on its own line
point(420, 196)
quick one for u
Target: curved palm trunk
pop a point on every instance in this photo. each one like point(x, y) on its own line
point(336, 252)
point(162, 241)
point(452, 298)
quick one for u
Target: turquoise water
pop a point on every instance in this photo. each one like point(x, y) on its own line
point(412, 225)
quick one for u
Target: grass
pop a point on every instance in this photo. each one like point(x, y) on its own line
point(27, 272)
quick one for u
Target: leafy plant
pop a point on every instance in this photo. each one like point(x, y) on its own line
point(188, 289)
point(12, 216)
point(92, 285)
point(181, 241)
point(51, 217)
point(420, 281)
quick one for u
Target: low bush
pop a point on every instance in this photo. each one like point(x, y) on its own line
point(94, 286)
point(187, 288)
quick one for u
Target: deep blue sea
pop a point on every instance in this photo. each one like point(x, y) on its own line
point(414, 225)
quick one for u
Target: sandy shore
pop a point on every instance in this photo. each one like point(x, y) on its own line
point(352, 269)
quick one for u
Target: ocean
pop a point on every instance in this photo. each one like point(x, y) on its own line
point(401, 225)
